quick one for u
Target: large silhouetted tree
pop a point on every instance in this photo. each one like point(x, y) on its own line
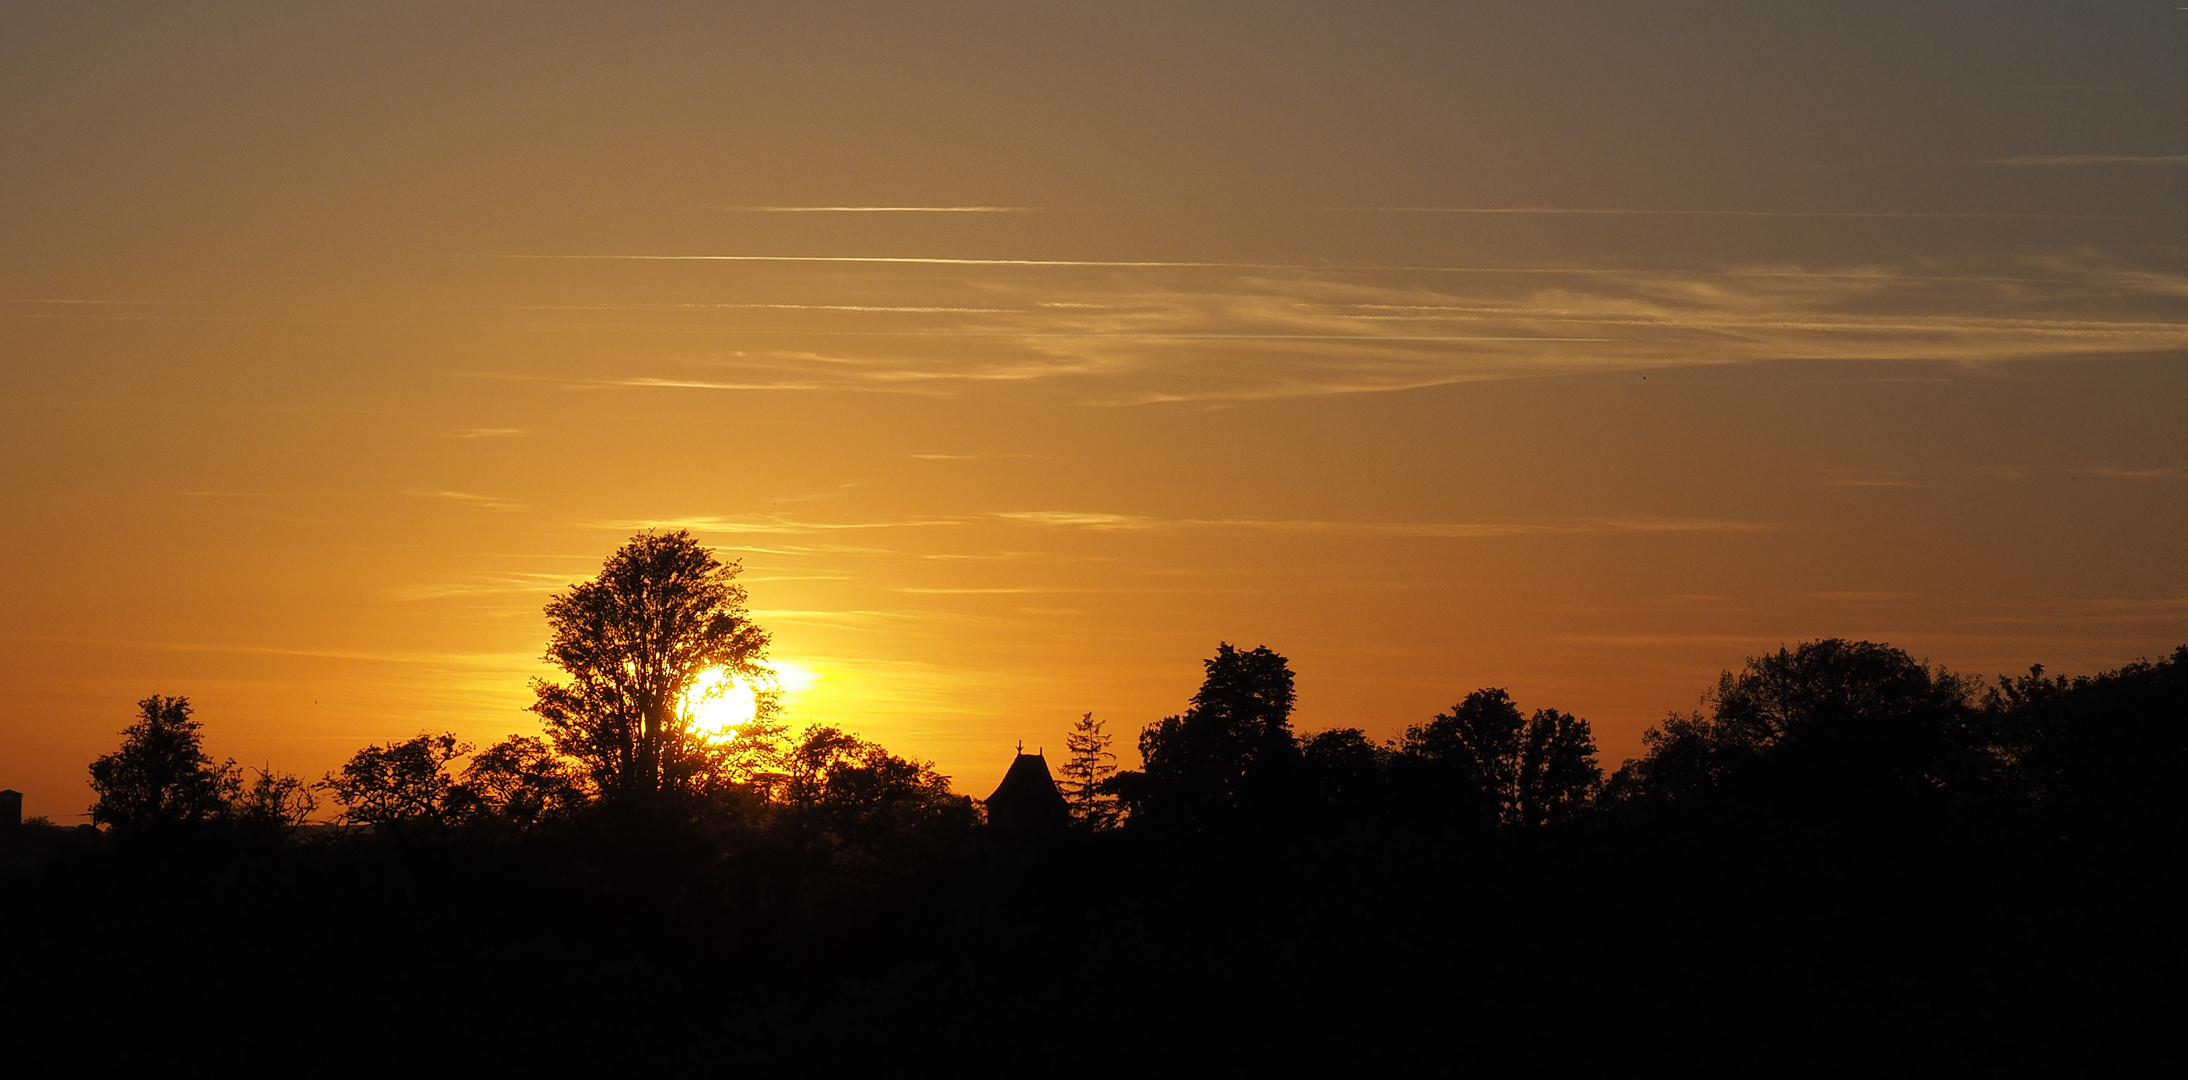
point(1834, 720)
point(1486, 761)
point(161, 779)
point(1230, 754)
point(2106, 751)
point(633, 642)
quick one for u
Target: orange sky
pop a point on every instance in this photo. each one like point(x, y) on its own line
point(1023, 354)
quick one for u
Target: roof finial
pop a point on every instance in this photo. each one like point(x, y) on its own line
point(1021, 748)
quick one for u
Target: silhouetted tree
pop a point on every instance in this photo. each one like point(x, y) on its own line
point(1460, 763)
point(399, 786)
point(1558, 774)
point(519, 782)
point(1344, 774)
point(2102, 751)
point(1833, 720)
point(160, 779)
point(865, 810)
point(274, 801)
point(1484, 761)
point(754, 762)
point(1086, 772)
point(634, 641)
point(1679, 758)
point(1230, 754)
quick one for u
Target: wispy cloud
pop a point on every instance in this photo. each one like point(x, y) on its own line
point(480, 433)
point(2054, 160)
point(708, 384)
point(1670, 640)
point(930, 260)
point(976, 457)
point(2158, 473)
point(1078, 520)
point(883, 309)
point(483, 585)
point(487, 661)
point(1007, 590)
point(1096, 521)
point(876, 209)
point(1616, 212)
point(100, 303)
point(489, 502)
point(774, 524)
point(1220, 333)
point(1394, 529)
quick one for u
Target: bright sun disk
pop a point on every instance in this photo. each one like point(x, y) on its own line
point(717, 710)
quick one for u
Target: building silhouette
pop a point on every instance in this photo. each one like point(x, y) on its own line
point(1027, 800)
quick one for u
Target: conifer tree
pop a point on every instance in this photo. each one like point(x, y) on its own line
point(1089, 766)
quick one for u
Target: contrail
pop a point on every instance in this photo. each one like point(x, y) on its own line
point(1157, 264)
point(876, 209)
point(1725, 213)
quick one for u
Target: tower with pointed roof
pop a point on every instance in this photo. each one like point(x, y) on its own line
point(1027, 800)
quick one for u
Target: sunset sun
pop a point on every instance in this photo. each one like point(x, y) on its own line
point(719, 703)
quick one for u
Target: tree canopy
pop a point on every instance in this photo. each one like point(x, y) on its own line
point(1486, 761)
point(1230, 753)
point(161, 778)
point(1853, 721)
point(634, 642)
point(400, 785)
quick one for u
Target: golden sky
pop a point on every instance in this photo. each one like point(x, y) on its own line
point(1024, 352)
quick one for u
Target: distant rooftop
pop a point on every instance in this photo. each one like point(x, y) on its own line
point(1027, 799)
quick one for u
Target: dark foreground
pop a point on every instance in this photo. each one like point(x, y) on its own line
point(1763, 943)
point(1992, 885)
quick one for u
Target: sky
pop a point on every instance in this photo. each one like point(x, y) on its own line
point(1022, 353)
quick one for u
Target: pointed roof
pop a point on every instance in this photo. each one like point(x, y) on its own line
point(1027, 797)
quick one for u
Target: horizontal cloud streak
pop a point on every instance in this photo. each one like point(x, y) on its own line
point(1120, 333)
point(1590, 211)
point(773, 524)
point(490, 502)
point(2068, 160)
point(877, 209)
point(1391, 529)
point(777, 524)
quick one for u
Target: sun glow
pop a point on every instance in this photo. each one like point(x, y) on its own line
point(719, 703)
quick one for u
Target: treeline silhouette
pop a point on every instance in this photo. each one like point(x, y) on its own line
point(1845, 859)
